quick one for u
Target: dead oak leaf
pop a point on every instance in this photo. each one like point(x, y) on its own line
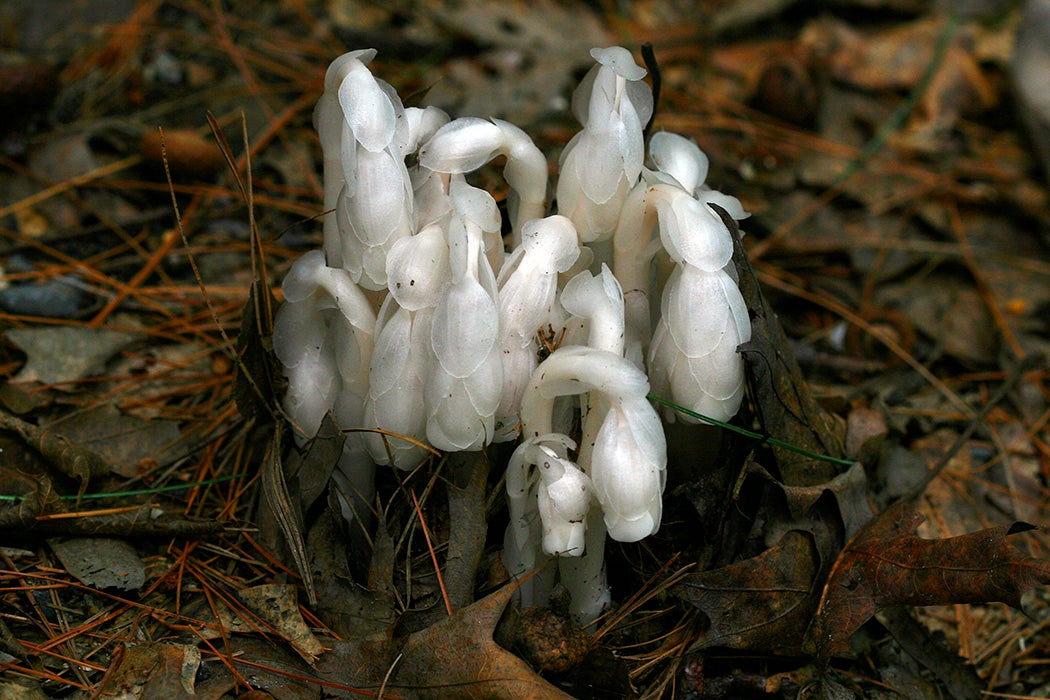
point(758, 604)
point(457, 658)
point(887, 564)
point(453, 658)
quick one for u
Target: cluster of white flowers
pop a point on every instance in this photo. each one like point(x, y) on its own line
point(451, 359)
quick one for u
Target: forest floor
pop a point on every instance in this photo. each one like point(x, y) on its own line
point(159, 169)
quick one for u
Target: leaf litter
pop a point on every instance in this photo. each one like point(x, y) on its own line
point(899, 274)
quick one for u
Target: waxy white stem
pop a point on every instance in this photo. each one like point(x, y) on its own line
point(464, 145)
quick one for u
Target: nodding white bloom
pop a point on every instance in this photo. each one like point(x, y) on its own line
point(418, 269)
point(527, 299)
point(464, 383)
point(464, 145)
point(679, 158)
point(629, 456)
point(693, 358)
point(563, 492)
point(691, 232)
point(364, 135)
point(323, 338)
point(602, 163)
point(628, 468)
point(331, 124)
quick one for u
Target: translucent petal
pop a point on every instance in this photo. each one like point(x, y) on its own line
point(696, 311)
point(718, 374)
point(348, 156)
point(417, 269)
point(485, 387)
point(640, 96)
point(602, 103)
point(391, 354)
point(380, 205)
point(581, 96)
point(301, 280)
point(461, 411)
point(297, 333)
point(564, 499)
point(399, 142)
point(632, 143)
point(737, 307)
point(692, 233)
point(423, 124)
point(680, 158)
point(525, 302)
point(731, 204)
point(662, 356)
point(464, 327)
point(461, 146)
point(338, 68)
point(620, 61)
point(475, 204)
point(553, 239)
point(367, 108)
point(311, 392)
point(627, 481)
point(347, 298)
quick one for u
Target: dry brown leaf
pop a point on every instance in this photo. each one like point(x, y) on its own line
point(887, 564)
point(454, 658)
point(759, 603)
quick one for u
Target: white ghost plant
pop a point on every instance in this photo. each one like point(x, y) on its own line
point(453, 360)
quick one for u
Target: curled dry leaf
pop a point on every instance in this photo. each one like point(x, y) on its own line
point(887, 564)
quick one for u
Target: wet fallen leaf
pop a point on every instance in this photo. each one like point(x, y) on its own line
point(123, 441)
point(786, 407)
point(887, 564)
point(803, 508)
point(101, 562)
point(276, 604)
point(157, 670)
point(66, 353)
point(758, 604)
point(253, 387)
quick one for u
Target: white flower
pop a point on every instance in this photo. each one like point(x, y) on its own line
point(628, 467)
point(679, 158)
point(629, 456)
point(364, 134)
point(601, 163)
point(564, 499)
point(417, 269)
point(323, 336)
point(598, 300)
point(563, 492)
point(527, 297)
point(693, 359)
point(463, 386)
point(330, 125)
